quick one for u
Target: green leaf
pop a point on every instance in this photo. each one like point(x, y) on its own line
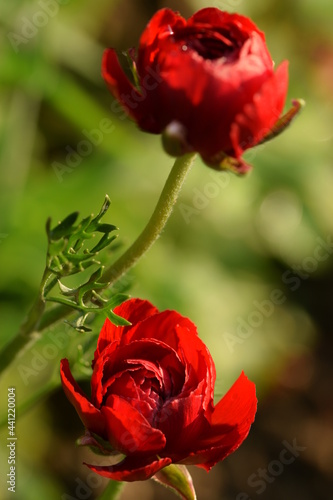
point(82, 328)
point(106, 228)
point(65, 290)
point(66, 252)
point(95, 222)
point(117, 320)
point(64, 228)
point(103, 242)
point(67, 255)
point(117, 299)
point(177, 478)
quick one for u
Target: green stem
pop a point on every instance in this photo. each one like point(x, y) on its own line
point(112, 491)
point(156, 223)
point(31, 323)
point(28, 329)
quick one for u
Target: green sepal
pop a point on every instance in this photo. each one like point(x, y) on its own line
point(130, 56)
point(225, 162)
point(177, 478)
point(284, 121)
point(97, 444)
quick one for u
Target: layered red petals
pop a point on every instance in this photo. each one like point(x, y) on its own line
point(152, 396)
point(214, 17)
point(121, 87)
point(137, 311)
point(229, 424)
point(265, 108)
point(237, 408)
point(128, 431)
point(210, 78)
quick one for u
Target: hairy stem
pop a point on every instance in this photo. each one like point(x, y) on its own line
point(156, 223)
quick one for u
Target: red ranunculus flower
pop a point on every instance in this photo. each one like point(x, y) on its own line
point(152, 396)
point(207, 83)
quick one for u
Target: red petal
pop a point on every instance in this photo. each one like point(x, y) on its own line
point(91, 417)
point(120, 86)
point(163, 326)
point(115, 359)
point(198, 361)
point(136, 353)
point(134, 310)
point(181, 335)
point(230, 424)
point(164, 20)
point(258, 117)
point(237, 408)
point(97, 388)
point(128, 431)
point(131, 469)
point(216, 18)
point(161, 26)
point(182, 421)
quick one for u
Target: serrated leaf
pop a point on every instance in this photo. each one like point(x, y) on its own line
point(117, 320)
point(105, 207)
point(56, 247)
point(74, 257)
point(65, 302)
point(67, 256)
point(85, 223)
point(65, 290)
point(96, 275)
point(105, 228)
point(95, 222)
point(64, 228)
point(80, 328)
point(103, 242)
point(117, 299)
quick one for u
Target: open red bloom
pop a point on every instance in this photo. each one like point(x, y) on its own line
point(152, 396)
point(207, 83)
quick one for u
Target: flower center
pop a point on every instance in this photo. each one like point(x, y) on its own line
point(217, 44)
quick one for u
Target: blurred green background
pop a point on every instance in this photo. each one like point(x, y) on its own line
point(251, 265)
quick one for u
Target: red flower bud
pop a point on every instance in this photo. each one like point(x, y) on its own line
point(152, 394)
point(207, 84)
